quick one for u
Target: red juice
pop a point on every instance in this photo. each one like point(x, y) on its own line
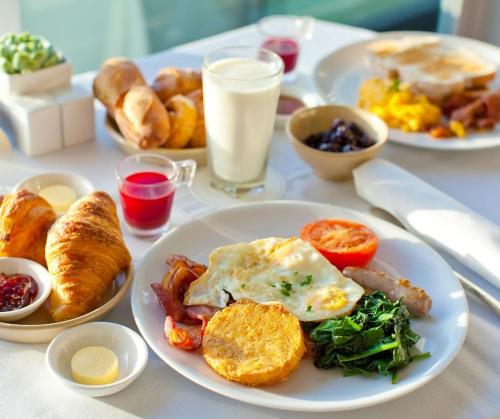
point(286, 48)
point(147, 199)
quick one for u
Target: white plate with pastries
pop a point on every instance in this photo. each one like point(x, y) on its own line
point(339, 75)
point(307, 388)
point(83, 251)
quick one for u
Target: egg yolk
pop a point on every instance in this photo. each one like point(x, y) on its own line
point(330, 299)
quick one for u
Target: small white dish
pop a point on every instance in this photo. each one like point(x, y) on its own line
point(42, 278)
point(79, 184)
point(128, 346)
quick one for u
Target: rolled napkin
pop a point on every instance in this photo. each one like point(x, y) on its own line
point(435, 217)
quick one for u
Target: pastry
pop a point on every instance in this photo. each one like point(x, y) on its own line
point(25, 219)
point(172, 81)
point(114, 79)
point(183, 118)
point(142, 118)
point(85, 252)
point(198, 139)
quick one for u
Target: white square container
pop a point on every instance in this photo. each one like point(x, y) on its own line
point(77, 114)
point(36, 122)
point(37, 81)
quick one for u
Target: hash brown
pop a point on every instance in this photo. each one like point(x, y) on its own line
point(253, 344)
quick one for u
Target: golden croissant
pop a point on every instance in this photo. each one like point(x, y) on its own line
point(85, 252)
point(25, 219)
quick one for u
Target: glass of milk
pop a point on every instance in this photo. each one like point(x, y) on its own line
point(241, 87)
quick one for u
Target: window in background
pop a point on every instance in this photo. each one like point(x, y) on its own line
point(90, 31)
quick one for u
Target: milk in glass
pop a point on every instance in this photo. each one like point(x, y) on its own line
point(240, 98)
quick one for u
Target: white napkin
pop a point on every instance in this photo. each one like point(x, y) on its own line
point(438, 219)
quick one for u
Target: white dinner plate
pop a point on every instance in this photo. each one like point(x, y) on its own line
point(339, 75)
point(308, 388)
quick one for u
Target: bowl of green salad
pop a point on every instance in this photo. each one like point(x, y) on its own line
point(31, 64)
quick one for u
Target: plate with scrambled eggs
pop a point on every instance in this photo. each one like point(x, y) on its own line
point(434, 91)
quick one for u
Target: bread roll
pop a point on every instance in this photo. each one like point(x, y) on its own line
point(114, 79)
point(198, 139)
point(172, 81)
point(183, 117)
point(142, 118)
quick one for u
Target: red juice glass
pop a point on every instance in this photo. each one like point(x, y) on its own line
point(147, 184)
point(283, 35)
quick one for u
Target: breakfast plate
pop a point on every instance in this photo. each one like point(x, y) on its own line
point(308, 388)
point(338, 77)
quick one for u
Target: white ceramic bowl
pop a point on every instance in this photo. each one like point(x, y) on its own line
point(128, 346)
point(38, 273)
point(79, 184)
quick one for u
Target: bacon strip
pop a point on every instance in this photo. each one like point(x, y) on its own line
point(170, 292)
point(184, 325)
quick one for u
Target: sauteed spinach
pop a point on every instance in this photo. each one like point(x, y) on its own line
point(377, 337)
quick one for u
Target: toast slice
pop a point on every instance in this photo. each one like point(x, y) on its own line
point(433, 66)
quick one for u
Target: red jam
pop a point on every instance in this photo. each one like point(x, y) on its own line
point(16, 291)
point(289, 104)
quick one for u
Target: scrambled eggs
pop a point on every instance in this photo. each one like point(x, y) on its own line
point(398, 106)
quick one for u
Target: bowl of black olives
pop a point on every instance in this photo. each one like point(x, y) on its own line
point(333, 139)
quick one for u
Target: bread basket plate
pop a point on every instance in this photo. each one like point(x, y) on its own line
point(339, 75)
point(39, 327)
point(308, 388)
point(199, 154)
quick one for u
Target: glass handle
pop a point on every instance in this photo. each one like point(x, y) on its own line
point(187, 170)
point(305, 25)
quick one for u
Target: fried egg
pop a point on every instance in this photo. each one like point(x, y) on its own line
point(289, 271)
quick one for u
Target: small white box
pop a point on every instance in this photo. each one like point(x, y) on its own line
point(77, 114)
point(36, 81)
point(36, 122)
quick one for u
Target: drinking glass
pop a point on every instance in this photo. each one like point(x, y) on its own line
point(147, 184)
point(241, 87)
point(283, 35)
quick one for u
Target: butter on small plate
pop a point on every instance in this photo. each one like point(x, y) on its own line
point(128, 358)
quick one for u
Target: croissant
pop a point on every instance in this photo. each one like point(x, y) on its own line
point(142, 118)
point(183, 118)
point(25, 219)
point(172, 81)
point(85, 252)
point(114, 79)
point(198, 139)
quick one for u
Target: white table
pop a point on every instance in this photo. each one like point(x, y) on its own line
point(469, 387)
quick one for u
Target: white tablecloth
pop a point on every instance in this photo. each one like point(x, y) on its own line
point(470, 386)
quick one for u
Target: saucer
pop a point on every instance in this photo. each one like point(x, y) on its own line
point(274, 188)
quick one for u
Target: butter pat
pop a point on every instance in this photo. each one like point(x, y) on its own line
point(59, 196)
point(94, 365)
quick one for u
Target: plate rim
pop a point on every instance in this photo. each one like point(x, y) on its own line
point(438, 145)
point(91, 315)
point(304, 405)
